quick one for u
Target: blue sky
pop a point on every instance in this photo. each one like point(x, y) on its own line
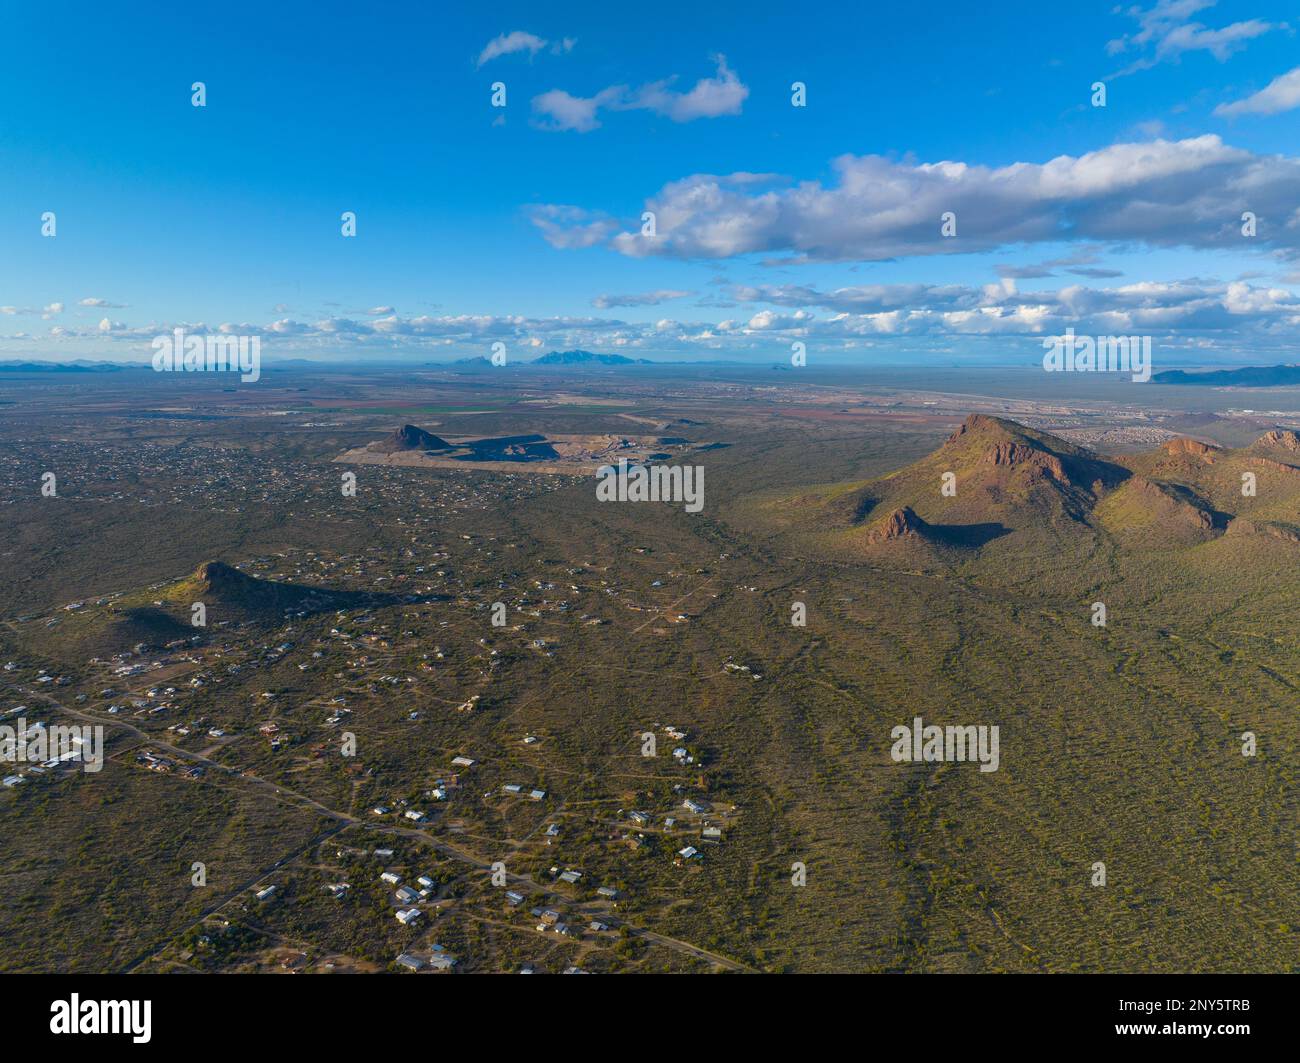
point(774, 223)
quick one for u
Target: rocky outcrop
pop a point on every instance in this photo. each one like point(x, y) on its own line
point(408, 437)
point(900, 524)
point(1280, 439)
point(1184, 446)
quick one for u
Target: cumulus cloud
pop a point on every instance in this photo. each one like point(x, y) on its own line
point(1280, 94)
point(845, 319)
point(712, 97)
point(722, 94)
point(102, 304)
point(1162, 193)
point(1002, 309)
point(559, 111)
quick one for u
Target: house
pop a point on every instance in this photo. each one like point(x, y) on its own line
point(553, 830)
point(463, 762)
point(513, 788)
point(571, 877)
point(442, 962)
point(608, 891)
point(711, 834)
point(338, 890)
point(411, 963)
point(407, 895)
point(598, 927)
point(641, 818)
point(691, 804)
point(426, 882)
point(266, 894)
point(550, 917)
point(689, 853)
point(513, 898)
point(537, 795)
point(391, 877)
point(414, 815)
point(408, 916)
point(383, 854)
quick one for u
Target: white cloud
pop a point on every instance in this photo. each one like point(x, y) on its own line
point(722, 94)
point(563, 112)
point(102, 304)
point(1280, 94)
point(1233, 315)
point(605, 302)
point(510, 43)
point(572, 227)
point(712, 97)
point(1160, 193)
point(1166, 33)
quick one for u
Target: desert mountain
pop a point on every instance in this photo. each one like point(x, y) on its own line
point(1002, 501)
point(991, 477)
point(1254, 376)
point(236, 595)
point(1282, 439)
point(408, 437)
point(586, 358)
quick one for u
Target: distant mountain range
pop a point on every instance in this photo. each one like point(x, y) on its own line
point(1255, 376)
point(587, 358)
point(560, 358)
point(61, 367)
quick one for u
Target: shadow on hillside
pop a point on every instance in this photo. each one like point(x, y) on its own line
point(968, 536)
